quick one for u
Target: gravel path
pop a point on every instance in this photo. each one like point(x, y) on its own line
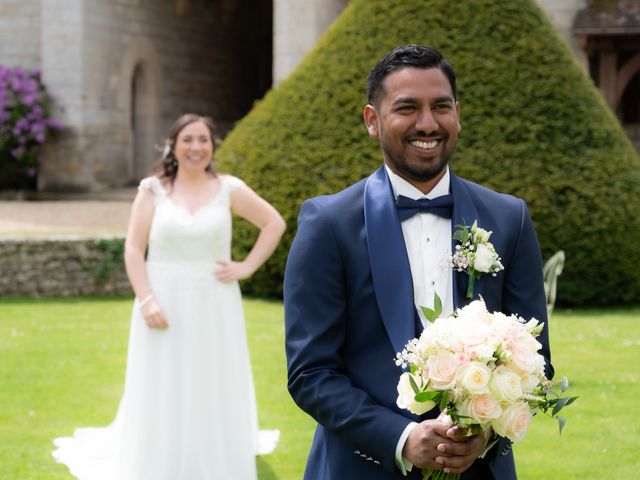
point(65, 217)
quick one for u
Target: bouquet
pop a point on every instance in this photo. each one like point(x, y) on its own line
point(484, 370)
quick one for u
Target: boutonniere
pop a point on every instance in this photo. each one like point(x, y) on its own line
point(475, 254)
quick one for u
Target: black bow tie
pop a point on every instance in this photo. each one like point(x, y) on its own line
point(441, 206)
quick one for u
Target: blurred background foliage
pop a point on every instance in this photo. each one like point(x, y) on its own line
point(533, 125)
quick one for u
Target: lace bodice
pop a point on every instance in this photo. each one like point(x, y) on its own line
point(179, 236)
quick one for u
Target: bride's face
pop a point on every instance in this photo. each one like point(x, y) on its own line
point(194, 147)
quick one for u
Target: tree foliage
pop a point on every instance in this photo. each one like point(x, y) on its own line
point(533, 125)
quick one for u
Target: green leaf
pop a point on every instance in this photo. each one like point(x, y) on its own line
point(444, 400)
point(429, 314)
point(562, 402)
point(413, 384)
point(561, 423)
point(413, 369)
point(428, 396)
point(437, 304)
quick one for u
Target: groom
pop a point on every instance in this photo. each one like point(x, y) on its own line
point(356, 273)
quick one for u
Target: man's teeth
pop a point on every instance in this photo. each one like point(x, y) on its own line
point(421, 144)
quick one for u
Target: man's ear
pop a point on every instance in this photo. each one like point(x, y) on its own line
point(371, 120)
point(458, 112)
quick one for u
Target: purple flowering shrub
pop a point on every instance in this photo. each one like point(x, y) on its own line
point(25, 125)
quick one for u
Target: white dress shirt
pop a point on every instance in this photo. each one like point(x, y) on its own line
point(428, 241)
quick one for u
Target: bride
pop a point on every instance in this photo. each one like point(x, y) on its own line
point(188, 411)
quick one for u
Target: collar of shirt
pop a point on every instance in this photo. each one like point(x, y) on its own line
point(401, 187)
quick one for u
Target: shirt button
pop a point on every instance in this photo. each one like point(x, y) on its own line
point(433, 283)
point(428, 239)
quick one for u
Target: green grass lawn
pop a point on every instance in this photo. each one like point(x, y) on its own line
point(62, 366)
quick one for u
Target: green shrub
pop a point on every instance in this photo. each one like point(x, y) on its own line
point(533, 125)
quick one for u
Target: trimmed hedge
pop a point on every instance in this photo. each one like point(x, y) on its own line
point(533, 125)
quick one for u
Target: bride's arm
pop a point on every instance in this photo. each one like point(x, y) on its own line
point(134, 249)
point(253, 208)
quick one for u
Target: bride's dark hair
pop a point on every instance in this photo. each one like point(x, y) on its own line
point(167, 167)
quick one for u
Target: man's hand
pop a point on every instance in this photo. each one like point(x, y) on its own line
point(422, 444)
point(459, 454)
point(435, 445)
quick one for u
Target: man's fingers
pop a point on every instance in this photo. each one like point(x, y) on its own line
point(455, 464)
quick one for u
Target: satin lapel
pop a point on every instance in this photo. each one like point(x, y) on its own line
point(388, 260)
point(464, 213)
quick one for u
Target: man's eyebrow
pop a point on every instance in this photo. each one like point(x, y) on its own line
point(405, 100)
point(444, 99)
point(441, 99)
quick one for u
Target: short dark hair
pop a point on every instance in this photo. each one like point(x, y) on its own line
point(417, 56)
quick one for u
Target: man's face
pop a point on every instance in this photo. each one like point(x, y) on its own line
point(417, 121)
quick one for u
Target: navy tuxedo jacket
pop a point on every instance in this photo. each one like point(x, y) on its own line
point(349, 307)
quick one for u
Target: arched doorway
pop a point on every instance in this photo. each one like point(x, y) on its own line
point(142, 124)
point(629, 109)
point(138, 102)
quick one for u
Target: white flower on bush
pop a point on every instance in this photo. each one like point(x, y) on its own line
point(475, 377)
point(407, 397)
point(505, 384)
point(513, 422)
point(481, 409)
point(442, 370)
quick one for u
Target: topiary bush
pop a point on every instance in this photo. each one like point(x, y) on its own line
point(533, 125)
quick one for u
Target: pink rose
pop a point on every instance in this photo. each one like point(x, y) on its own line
point(513, 422)
point(442, 370)
point(482, 409)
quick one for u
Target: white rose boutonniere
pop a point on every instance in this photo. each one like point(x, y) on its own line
point(475, 254)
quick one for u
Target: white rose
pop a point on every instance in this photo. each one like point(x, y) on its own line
point(530, 382)
point(505, 384)
point(481, 235)
point(524, 357)
point(482, 409)
point(407, 397)
point(442, 370)
point(484, 258)
point(476, 309)
point(513, 422)
point(475, 378)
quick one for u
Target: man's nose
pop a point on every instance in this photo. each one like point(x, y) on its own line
point(426, 121)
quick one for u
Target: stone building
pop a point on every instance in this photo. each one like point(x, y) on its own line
point(121, 70)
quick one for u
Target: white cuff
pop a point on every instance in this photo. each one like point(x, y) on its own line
point(402, 463)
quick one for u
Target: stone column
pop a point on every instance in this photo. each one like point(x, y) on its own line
point(562, 14)
point(297, 26)
point(62, 165)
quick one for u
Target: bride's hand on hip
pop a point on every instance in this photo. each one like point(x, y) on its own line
point(229, 271)
point(154, 316)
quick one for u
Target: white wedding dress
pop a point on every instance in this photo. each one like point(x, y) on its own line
point(188, 411)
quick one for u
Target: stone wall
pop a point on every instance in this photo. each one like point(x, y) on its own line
point(297, 27)
point(62, 266)
point(20, 33)
point(122, 70)
point(562, 15)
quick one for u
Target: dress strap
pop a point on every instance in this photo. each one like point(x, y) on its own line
point(153, 185)
point(231, 182)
